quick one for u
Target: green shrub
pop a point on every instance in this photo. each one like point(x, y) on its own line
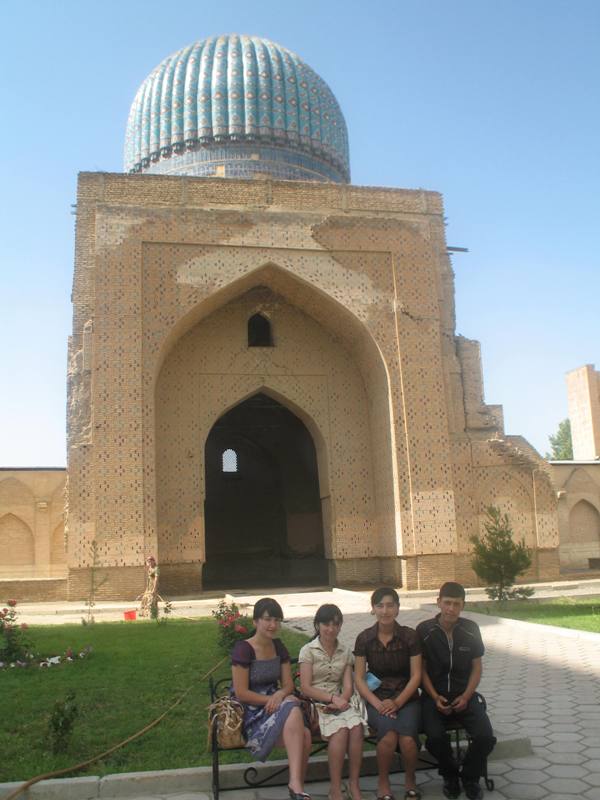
point(497, 560)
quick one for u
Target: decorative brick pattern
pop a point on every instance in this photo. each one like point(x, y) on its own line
point(359, 291)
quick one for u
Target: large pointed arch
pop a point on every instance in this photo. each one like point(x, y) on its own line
point(318, 303)
point(369, 471)
point(264, 519)
point(310, 423)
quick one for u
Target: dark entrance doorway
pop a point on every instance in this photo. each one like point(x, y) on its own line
point(263, 518)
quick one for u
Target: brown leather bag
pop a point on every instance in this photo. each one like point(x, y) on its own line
point(225, 718)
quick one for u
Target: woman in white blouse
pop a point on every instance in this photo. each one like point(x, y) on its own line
point(326, 677)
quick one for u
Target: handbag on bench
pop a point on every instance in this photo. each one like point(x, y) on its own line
point(226, 715)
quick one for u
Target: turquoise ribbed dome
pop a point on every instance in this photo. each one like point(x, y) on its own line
point(237, 105)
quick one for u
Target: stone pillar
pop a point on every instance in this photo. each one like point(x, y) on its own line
point(42, 535)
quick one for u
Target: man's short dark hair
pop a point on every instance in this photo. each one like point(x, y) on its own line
point(452, 589)
point(268, 606)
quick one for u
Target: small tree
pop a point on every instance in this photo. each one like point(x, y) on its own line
point(561, 443)
point(14, 644)
point(61, 721)
point(497, 560)
point(95, 584)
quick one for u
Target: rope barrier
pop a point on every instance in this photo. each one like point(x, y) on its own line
point(57, 773)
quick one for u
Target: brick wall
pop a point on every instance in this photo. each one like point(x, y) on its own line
point(359, 285)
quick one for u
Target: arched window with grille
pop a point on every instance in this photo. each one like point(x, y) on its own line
point(229, 461)
point(259, 331)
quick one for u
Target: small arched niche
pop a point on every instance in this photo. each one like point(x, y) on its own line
point(580, 539)
point(16, 542)
point(259, 331)
point(584, 524)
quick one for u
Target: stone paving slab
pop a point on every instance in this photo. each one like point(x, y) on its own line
point(540, 682)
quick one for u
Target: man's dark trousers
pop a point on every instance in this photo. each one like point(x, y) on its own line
point(477, 724)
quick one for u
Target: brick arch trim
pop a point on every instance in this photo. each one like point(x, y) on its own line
point(302, 293)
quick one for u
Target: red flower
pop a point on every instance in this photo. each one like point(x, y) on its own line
point(241, 629)
point(11, 603)
point(24, 626)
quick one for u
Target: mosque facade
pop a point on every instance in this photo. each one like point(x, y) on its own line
point(265, 381)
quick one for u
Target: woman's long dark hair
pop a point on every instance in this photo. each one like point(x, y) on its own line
point(327, 613)
point(266, 605)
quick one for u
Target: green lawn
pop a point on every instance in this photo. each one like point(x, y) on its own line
point(582, 613)
point(136, 670)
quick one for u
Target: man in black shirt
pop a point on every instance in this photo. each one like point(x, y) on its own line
point(452, 652)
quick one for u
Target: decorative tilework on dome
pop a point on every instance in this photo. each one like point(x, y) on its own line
point(235, 89)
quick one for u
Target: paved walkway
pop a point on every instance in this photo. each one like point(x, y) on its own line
point(296, 603)
point(540, 682)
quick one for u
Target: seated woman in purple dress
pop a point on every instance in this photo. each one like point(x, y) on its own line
point(262, 682)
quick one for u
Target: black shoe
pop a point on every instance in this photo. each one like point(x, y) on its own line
point(298, 795)
point(451, 787)
point(473, 790)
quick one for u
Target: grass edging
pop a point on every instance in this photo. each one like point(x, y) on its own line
point(572, 633)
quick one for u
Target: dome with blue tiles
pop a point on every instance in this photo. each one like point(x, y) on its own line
point(237, 106)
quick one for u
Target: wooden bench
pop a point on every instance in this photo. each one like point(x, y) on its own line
point(459, 737)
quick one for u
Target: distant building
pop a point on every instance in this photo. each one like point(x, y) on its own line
point(583, 390)
point(578, 481)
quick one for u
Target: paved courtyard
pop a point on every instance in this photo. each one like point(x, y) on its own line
point(540, 682)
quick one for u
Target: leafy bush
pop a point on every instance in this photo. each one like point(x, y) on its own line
point(233, 625)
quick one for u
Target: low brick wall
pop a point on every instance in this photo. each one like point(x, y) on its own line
point(34, 589)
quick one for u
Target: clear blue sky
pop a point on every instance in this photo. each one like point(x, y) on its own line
point(494, 104)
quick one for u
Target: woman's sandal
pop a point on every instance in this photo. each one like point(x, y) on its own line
point(298, 795)
point(386, 797)
point(413, 794)
point(348, 792)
